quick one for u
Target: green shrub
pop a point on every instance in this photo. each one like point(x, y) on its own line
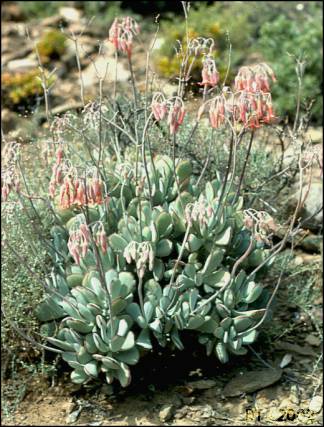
point(283, 37)
point(51, 46)
point(214, 21)
point(21, 293)
point(111, 314)
point(143, 251)
point(20, 90)
point(257, 31)
point(40, 9)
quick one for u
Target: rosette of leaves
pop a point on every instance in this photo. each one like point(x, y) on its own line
point(105, 316)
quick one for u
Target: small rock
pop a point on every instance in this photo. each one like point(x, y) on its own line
point(313, 340)
point(285, 360)
point(294, 395)
point(8, 120)
point(52, 21)
point(184, 390)
point(188, 400)
point(251, 381)
point(89, 75)
point(166, 412)
point(315, 134)
point(182, 412)
point(73, 416)
point(107, 389)
point(286, 404)
point(25, 64)
point(70, 14)
point(68, 407)
point(304, 351)
point(316, 404)
point(313, 202)
point(11, 12)
point(202, 384)
point(275, 414)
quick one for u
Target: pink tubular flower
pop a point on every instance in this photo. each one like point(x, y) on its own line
point(159, 106)
point(254, 78)
point(5, 190)
point(121, 34)
point(210, 75)
point(59, 155)
point(114, 33)
point(176, 115)
point(78, 243)
point(217, 111)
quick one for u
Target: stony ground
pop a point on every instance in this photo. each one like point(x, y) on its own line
point(278, 383)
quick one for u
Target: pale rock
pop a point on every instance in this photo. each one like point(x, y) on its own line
point(68, 406)
point(166, 412)
point(313, 202)
point(73, 416)
point(158, 43)
point(51, 21)
point(316, 404)
point(100, 66)
point(70, 14)
point(9, 120)
point(169, 90)
point(315, 134)
point(19, 65)
point(251, 381)
point(274, 414)
point(202, 384)
point(287, 404)
point(313, 340)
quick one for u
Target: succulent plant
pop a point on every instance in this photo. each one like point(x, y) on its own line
point(168, 266)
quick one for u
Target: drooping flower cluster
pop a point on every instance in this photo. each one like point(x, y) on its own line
point(254, 79)
point(250, 104)
point(159, 106)
point(75, 192)
point(209, 73)
point(80, 240)
point(200, 211)
point(200, 45)
point(262, 223)
point(100, 236)
point(122, 32)
point(173, 108)
point(254, 105)
point(142, 253)
point(78, 243)
point(72, 190)
point(217, 111)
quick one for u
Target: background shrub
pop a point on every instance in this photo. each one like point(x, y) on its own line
point(259, 31)
point(19, 91)
point(51, 46)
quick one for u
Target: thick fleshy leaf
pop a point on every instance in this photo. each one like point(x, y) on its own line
point(124, 375)
point(78, 376)
point(143, 340)
point(91, 369)
point(131, 357)
point(221, 352)
point(163, 248)
point(129, 342)
point(117, 242)
point(80, 326)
